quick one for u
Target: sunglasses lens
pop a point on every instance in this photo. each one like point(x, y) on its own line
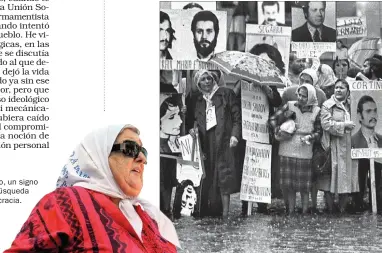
point(132, 149)
point(144, 151)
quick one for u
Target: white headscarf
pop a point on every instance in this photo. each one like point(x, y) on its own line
point(88, 167)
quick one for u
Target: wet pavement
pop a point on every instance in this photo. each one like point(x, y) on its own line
point(276, 232)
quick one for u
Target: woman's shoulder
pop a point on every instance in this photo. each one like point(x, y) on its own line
point(329, 103)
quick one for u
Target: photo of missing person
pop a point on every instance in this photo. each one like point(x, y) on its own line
point(314, 22)
point(279, 42)
point(199, 34)
point(367, 116)
point(271, 13)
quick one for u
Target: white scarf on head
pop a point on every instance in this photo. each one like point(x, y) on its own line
point(88, 167)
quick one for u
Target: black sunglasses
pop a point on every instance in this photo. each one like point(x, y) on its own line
point(130, 149)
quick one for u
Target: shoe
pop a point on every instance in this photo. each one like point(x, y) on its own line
point(314, 211)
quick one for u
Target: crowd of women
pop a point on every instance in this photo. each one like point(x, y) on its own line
point(320, 101)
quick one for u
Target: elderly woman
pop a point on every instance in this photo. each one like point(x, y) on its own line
point(95, 207)
point(296, 149)
point(337, 126)
point(326, 79)
point(217, 113)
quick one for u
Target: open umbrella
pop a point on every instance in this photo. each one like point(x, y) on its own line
point(249, 67)
point(361, 50)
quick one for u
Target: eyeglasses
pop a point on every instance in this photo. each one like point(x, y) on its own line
point(130, 149)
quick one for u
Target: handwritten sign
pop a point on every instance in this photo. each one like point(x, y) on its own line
point(366, 85)
point(186, 65)
point(359, 153)
point(189, 172)
point(312, 49)
point(351, 27)
point(256, 181)
point(255, 113)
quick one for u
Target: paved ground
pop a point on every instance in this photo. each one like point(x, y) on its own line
point(276, 232)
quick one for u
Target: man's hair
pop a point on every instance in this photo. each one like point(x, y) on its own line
point(270, 3)
point(305, 8)
point(272, 53)
point(336, 61)
point(164, 16)
point(205, 16)
point(364, 99)
point(376, 65)
point(192, 5)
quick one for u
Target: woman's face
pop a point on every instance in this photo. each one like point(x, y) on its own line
point(341, 91)
point(128, 171)
point(206, 82)
point(341, 68)
point(302, 96)
point(338, 44)
point(170, 123)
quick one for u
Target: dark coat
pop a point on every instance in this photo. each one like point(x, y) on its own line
point(228, 118)
point(302, 34)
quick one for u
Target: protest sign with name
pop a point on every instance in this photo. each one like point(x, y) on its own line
point(365, 97)
point(276, 36)
point(312, 49)
point(351, 27)
point(256, 179)
point(255, 113)
point(183, 54)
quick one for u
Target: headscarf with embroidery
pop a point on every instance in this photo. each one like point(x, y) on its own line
point(91, 160)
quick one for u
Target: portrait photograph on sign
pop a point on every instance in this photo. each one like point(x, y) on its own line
point(314, 21)
point(190, 35)
point(271, 13)
point(280, 119)
point(277, 37)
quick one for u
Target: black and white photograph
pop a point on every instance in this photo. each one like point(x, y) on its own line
point(277, 37)
point(285, 120)
point(190, 35)
point(184, 5)
point(314, 21)
point(271, 13)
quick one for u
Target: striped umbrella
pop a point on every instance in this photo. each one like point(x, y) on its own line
point(361, 50)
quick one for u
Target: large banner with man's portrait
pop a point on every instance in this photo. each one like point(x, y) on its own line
point(366, 113)
point(195, 37)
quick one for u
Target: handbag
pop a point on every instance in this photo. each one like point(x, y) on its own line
point(322, 160)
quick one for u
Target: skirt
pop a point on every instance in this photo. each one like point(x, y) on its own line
point(295, 174)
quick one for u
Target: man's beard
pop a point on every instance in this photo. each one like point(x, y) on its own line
point(367, 74)
point(205, 51)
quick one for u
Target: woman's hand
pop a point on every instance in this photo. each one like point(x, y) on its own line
point(307, 139)
point(233, 142)
point(349, 125)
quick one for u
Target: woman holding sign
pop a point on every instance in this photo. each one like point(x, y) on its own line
point(217, 113)
point(296, 149)
point(337, 126)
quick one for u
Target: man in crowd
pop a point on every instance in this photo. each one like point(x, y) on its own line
point(205, 29)
point(314, 29)
point(372, 68)
point(366, 137)
point(271, 11)
point(166, 36)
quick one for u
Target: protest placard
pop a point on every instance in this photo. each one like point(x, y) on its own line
point(351, 27)
point(312, 49)
point(365, 97)
point(189, 37)
point(276, 36)
point(256, 179)
point(255, 113)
